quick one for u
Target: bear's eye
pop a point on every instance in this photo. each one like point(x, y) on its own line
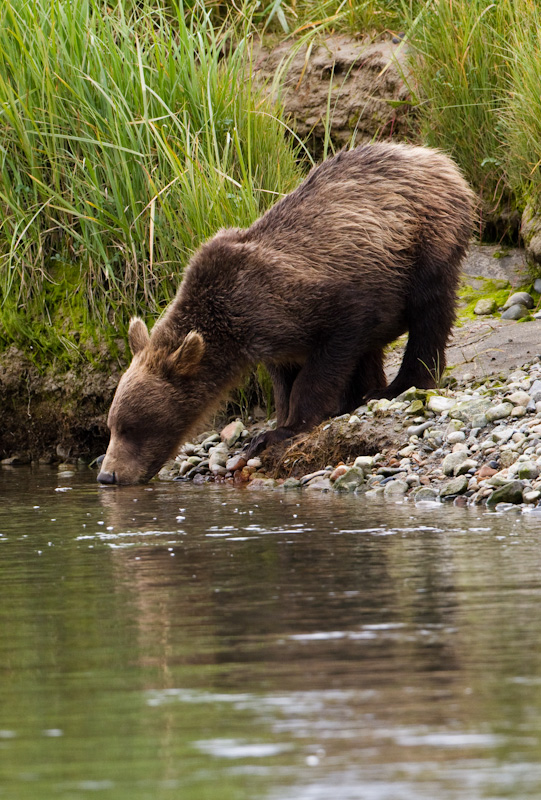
point(136, 431)
point(127, 431)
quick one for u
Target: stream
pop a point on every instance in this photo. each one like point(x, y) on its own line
point(211, 642)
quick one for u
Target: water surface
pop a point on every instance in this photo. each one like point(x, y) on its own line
point(206, 643)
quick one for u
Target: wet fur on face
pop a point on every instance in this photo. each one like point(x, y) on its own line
point(154, 408)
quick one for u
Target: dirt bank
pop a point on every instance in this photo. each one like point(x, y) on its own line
point(50, 413)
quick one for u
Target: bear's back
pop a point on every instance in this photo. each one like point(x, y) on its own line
point(372, 206)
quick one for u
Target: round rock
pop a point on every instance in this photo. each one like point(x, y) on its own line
point(375, 494)
point(364, 462)
point(438, 403)
point(499, 411)
point(466, 410)
point(395, 490)
point(350, 480)
point(453, 460)
point(425, 493)
point(516, 311)
point(509, 493)
point(455, 486)
point(235, 462)
point(487, 305)
point(520, 298)
point(232, 432)
point(527, 470)
point(291, 483)
point(319, 485)
point(519, 398)
point(338, 471)
point(465, 467)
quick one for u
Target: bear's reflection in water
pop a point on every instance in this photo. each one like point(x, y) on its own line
point(225, 575)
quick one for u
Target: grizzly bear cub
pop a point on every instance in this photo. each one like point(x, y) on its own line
point(367, 247)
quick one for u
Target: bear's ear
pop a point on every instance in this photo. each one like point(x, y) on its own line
point(138, 335)
point(187, 357)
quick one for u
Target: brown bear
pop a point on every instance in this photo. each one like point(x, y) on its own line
point(367, 247)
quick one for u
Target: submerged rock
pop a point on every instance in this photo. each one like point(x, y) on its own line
point(319, 485)
point(291, 483)
point(350, 480)
point(17, 460)
point(395, 490)
point(424, 494)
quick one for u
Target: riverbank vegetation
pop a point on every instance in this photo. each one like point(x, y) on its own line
point(130, 132)
point(127, 137)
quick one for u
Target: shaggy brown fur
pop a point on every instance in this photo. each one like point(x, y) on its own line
point(368, 247)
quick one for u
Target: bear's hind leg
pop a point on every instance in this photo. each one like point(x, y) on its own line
point(430, 315)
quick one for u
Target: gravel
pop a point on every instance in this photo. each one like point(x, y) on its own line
point(476, 444)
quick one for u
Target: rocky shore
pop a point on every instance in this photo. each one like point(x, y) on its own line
point(478, 445)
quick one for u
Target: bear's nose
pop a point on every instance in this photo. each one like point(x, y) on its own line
point(106, 477)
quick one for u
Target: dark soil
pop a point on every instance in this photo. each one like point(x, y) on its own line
point(364, 79)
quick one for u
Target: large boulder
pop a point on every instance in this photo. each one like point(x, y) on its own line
point(356, 83)
point(530, 230)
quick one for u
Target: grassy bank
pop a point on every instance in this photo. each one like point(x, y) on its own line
point(130, 132)
point(126, 139)
point(292, 17)
point(476, 76)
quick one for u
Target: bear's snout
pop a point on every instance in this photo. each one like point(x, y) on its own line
point(107, 478)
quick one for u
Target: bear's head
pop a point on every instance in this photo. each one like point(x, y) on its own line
point(156, 404)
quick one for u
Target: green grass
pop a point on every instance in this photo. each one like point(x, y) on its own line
point(292, 17)
point(461, 79)
point(475, 81)
point(522, 118)
point(125, 140)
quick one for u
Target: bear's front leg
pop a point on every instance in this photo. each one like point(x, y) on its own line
point(316, 393)
point(266, 439)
